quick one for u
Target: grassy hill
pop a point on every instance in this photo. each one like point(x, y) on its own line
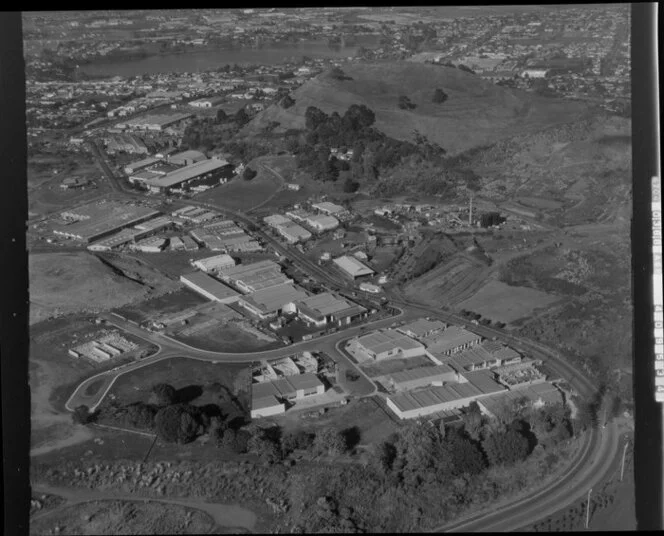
point(476, 113)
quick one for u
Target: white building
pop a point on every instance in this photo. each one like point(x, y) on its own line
point(215, 263)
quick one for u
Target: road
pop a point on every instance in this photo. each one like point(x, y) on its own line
point(600, 447)
point(93, 390)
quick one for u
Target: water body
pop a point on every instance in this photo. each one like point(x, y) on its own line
point(206, 60)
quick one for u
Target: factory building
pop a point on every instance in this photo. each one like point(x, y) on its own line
point(268, 397)
point(323, 308)
point(320, 224)
point(537, 396)
point(141, 164)
point(352, 268)
point(96, 220)
point(215, 263)
point(489, 354)
point(209, 171)
point(413, 404)
point(272, 301)
point(386, 344)
point(450, 341)
point(186, 158)
point(328, 208)
point(407, 380)
point(294, 233)
point(422, 327)
point(255, 276)
point(209, 287)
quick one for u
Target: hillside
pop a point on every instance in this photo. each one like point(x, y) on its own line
point(476, 113)
point(62, 283)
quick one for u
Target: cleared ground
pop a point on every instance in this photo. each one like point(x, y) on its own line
point(125, 517)
point(169, 303)
point(500, 302)
point(226, 338)
point(62, 283)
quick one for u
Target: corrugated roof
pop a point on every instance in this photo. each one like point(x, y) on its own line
point(271, 299)
point(209, 284)
point(352, 266)
point(265, 402)
point(382, 341)
point(420, 373)
point(187, 173)
point(451, 338)
point(433, 396)
point(483, 381)
point(325, 303)
point(422, 326)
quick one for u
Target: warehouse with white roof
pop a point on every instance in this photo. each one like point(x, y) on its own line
point(215, 263)
point(209, 287)
point(272, 301)
point(352, 268)
point(386, 344)
point(325, 307)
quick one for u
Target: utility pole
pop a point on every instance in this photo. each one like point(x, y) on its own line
point(588, 509)
point(622, 467)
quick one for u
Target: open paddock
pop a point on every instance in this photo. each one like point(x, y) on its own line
point(389, 366)
point(179, 300)
point(226, 338)
point(501, 302)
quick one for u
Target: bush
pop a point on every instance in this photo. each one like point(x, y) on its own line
point(249, 174)
point(164, 394)
point(439, 96)
point(405, 103)
point(81, 415)
point(177, 423)
point(287, 102)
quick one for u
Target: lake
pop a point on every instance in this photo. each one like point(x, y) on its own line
point(206, 60)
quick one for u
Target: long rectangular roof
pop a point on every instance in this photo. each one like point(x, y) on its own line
point(271, 299)
point(186, 173)
point(325, 303)
point(483, 381)
point(451, 338)
point(433, 396)
point(258, 275)
point(352, 266)
point(285, 386)
point(210, 263)
point(382, 341)
point(105, 217)
point(422, 326)
point(328, 207)
point(420, 373)
point(209, 284)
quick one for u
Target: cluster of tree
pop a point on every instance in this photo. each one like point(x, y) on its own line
point(439, 96)
point(249, 174)
point(337, 73)
point(405, 103)
point(287, 101)
point(463, 67)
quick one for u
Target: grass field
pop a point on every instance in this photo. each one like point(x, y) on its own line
point(169, 303)
point(241, 195)
point(185, 374)
point(62, 283)
point(226, 338)
point(389, 366)
point(500, 302)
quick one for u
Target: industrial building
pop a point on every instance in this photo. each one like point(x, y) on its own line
point(215, 263)
point(328, 208)
point(134, 167)
point(422, 327)
point(321, 224)
point(272, 301)
point(413, 404)
point(205, 170)
point(209, 287)
point(452, 340)
point(537, 396)
point(421, 377)
point(325, 307)
point(266, 406)
point(275, 220)
point(289, 388)
point(479, 357)
point(155, 122)
point(255, 276)
point(386, 344)
point(186, 158)
point(352, 268)
point(97, 220)
point(293, 233)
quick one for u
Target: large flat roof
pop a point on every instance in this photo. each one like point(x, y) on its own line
point(274, 298)
point(216, 260)
point(382, 341)
point(285, 386)
point(433, 396)
point(259, 275)
point(545, 391)
point(352, 266)
point(328, 207)
point(422, 326)
point(143, 163)
point(326, 303)
point(190, 154)
point(451, 338)
point(186, 173)
point(209, 284)
point(483, 381)
point(420, 373)
point(101, 218)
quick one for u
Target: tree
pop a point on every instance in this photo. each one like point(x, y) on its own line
point(507, 446)
point(329, 441)
point(439, 96)
point(384, 457)
point(287, 102)
point(351, 186)
point(460, 456)
point(177, 423)
point(249, 174)
point(298, 440)
point(338, 74)
point(141, 415)
point(221, 116)
point(463, 67)
point(265, 446)
point(472, 420)
point(314, 117)
point(405, 103)
point(241, 117)
point(358, 116)
point(81, 415)
point(164, 394)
